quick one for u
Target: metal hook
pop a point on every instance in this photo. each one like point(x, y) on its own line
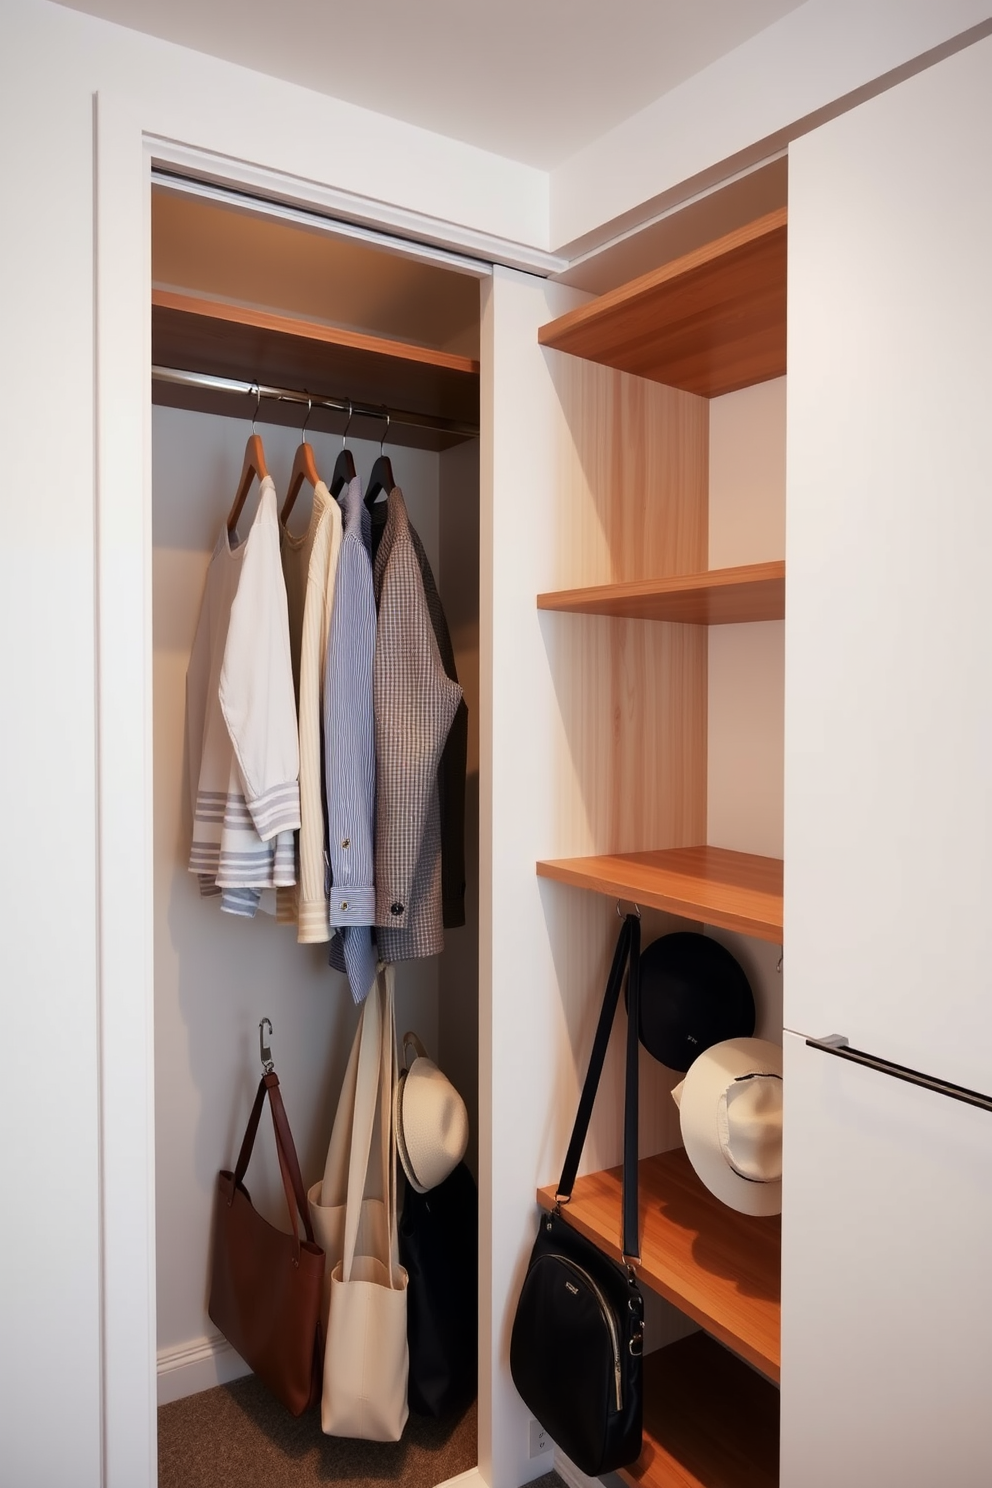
point(778, 964)
point(303, 431)
point(258, 404)
point(620, 913)
point(385, 436)
point(264, 1052)
point(351, 415)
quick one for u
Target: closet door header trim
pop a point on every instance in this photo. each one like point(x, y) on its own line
point(268, 193)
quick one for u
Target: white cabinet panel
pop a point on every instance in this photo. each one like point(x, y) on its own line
point(886, 1291)
point(888, 817)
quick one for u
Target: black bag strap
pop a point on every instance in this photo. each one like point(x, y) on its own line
point(628, 952)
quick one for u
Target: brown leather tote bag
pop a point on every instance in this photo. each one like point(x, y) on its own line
point(265, 1285)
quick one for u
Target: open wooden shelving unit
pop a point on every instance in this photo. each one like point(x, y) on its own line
point(735, 890)
point(709, 1419)
point(719, 1267)
point(721, 596)
point(198, 334)
point(709, 323)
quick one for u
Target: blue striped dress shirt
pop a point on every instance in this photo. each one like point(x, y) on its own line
point(349, 746)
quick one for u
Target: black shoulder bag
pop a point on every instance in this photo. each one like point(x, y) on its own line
point(575, 1350)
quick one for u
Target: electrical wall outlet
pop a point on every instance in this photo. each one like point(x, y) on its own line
point(540, 1441)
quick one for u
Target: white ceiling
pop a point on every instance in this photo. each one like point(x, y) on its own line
point(534, 80)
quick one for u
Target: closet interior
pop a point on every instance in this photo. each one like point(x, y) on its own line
point(665, 635)
point(267, 319)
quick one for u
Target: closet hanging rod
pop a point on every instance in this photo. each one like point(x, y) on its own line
point(261, 390)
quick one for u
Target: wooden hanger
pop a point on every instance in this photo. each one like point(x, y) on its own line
point(344, 465)
point(254, 467)
point(304, 467)
point(381, 478)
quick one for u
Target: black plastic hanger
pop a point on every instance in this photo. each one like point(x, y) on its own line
point(381, 478)
point(344, 466)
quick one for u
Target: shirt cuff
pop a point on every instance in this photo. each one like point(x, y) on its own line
point(276, 810)
point(352, 905)
point(392, 910)
point(313, 923)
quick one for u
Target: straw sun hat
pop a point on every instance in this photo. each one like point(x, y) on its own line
point(430, 1120)
point(730, 1111)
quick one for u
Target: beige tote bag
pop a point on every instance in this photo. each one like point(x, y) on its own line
point(366, 1360)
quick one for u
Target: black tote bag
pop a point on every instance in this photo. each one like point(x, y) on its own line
point(576, 1345)
point(439, 1246)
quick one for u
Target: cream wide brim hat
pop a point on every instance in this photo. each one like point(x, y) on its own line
point(730, 1111)
point(430, 1121)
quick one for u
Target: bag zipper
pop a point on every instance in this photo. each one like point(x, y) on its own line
point(604, 1309)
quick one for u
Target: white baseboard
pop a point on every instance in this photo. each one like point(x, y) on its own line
point(188, 1368)
point(576, 1478)
point(470, 1478)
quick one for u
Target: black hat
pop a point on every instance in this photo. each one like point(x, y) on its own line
point(693, 994)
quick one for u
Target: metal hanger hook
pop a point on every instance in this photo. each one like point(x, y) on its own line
point(385, 432)
point(264, 1052)
point(351, 415)
point(620, 913)
point(258, 404)
point(303, 431)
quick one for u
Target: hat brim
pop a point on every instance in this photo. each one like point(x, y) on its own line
point(401, 1147)
point(704, 1084)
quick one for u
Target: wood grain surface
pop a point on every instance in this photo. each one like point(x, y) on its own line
point(721, 1268)
point(202, 335)
point(709, 1421)
point(739, 891)
point(723, 596)
point(710, 322)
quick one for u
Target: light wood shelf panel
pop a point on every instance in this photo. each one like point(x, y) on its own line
point(736, 891)
point(710, 322)
point(203, 335)
point(721, 1268)
point(722, 596)
point(709, 1421)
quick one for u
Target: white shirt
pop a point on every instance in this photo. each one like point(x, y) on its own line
point(241, 721)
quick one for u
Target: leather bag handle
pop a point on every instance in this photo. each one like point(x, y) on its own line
point(289, 1164)
point(627, 954)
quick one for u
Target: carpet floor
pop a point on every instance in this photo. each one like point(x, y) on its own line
point(237, 1436)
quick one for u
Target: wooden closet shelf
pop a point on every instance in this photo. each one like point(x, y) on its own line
point(202, 335)
point(709, 1421)
point(710, 322)
point(721, 1268)
point(723, 596)
point(737, 891)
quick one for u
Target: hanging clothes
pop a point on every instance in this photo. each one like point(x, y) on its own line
point(454, 758)
point(349, 746)
point(415, 705)
point(241, 721)
point(310, 566)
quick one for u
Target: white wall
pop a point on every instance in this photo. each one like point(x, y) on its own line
point(53, 962)
point(216, 976)
point(743, 108)
point(746, 663)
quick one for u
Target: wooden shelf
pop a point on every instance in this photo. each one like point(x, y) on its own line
point(723, 596)
point(721, 1268)
point(709, 1421)
point(709, 322)
point(203, 335)
point(737, 891)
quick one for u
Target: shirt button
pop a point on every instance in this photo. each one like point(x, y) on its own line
point(396, 909)
point(344, 904)
point(345, 841)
